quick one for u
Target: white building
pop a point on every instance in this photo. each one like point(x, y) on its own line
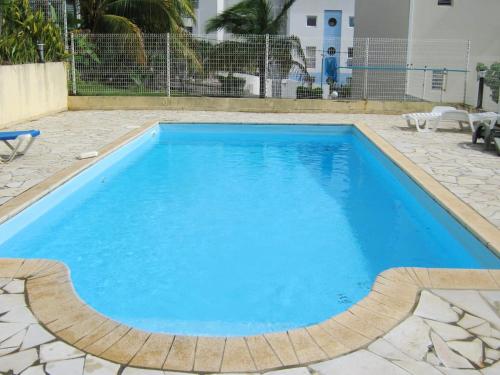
point(319, 24)
point(452, 23)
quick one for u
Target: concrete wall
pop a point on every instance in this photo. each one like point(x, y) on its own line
point(31, 90)
point(476, 21)
point(419, 20)
point(76, 103)
point(382, 18)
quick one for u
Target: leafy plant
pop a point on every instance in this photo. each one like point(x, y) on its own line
point(304, 92)
point(492, 78)
point(134, 16)
point(231, 85)
point(22, 29)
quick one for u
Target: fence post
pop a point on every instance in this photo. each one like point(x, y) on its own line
point(424, 83)
point(73, 68)
point(168, 64)
point(467, 63)
point(65, 21)
point(266, 65)
point(443, 83)
point(365, 85)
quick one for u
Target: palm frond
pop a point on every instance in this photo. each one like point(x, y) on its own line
point(132, 38)
point(274, 25)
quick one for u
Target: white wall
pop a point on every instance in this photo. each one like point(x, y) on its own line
point(208, 9)
point(31, 90)
point(477, 21)
point(313, 36)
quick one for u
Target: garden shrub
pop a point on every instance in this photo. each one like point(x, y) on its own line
point(231, 85)
point(22, 29)
point(304, 92)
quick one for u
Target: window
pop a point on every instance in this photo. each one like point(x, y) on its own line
point(311, 57)
point(311, 21)
point(332, 22)
point(438, 80)
point(351, 21)
point(350, 52)
point(445, 3)
point(196, 4)
point(189, 29)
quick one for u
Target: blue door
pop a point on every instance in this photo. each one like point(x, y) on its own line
point(332, 34)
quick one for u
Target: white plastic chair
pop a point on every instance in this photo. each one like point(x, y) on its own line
point(470, 119)
point(426, 121)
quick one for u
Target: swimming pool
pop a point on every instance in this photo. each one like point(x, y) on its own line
point(238, 229)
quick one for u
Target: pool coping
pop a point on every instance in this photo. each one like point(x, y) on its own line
point(394, 295)
point(54, 302)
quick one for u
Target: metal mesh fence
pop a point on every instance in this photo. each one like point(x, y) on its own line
point(55, 11)
point(268, 66)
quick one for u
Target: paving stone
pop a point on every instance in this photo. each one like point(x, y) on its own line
point(492, 354)
point(65, 367)
point(34, 370)
point(493, 297)
point(20, 314)
point(58, 351)
point(457, 310)
point(432, 359)
point(411, 337)
point(482, 330)
point(6, 351)
point(470, 321)
point(14, 341)
point(433, 307)
point(15, 286)
point(98, 366)
point(472, 350)
point(140, 371)
point(35, 336)
point(10, 329)
point(418, 367)
point(491, 342)
point(472, 302)
point(361, 362)
point(291, 371)
point(447, 331)
point(9, 301)
point(18, 361)
point(492, 370)
point(4, 280)
point(446, 356)
point(386, 350)
point(455, 371)
point(495, 333)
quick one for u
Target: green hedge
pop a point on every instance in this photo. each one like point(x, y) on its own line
point(22, 29)
point(304, 92)
point(231, 85)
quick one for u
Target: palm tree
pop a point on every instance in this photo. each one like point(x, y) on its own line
point(253, 19)
point(134, 16)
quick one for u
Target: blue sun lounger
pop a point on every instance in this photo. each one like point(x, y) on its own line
point(23, 141)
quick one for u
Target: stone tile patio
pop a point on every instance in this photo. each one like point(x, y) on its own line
point(453, 329)
point(449, 332)
point(468, 171)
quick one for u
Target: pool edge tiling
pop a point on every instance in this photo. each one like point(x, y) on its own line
point(52, 299)
point(394, 295)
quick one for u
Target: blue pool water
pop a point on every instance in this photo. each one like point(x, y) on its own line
point(235, 230)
